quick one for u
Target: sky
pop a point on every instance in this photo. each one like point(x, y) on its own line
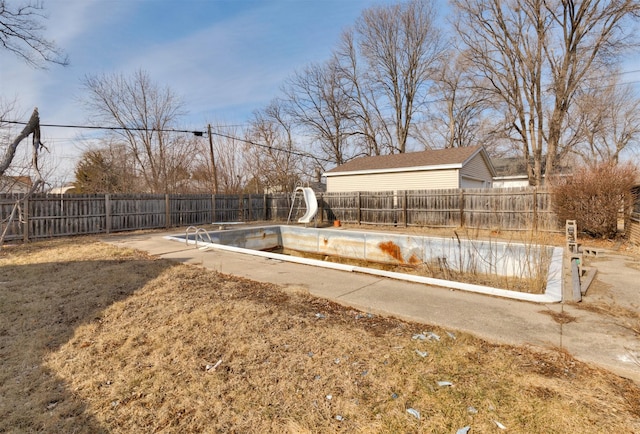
point(223, 58)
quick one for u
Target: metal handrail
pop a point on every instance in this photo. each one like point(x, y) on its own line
point(198, 235)
point(201, 231)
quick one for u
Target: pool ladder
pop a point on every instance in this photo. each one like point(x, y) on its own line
point(199, 234)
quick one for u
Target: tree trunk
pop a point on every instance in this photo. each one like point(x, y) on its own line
point(32, 127)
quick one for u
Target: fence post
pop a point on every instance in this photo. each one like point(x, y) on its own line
point(107, 213)
point(462, 222)
point(250, 207)
point(264, 207)
point(359, 218)
point(167, 211)
point(404, 208)
point(213, 208)
point(535, 209)
point(321, 207)
point(25, 216)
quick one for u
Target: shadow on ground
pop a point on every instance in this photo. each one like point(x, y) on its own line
point(41, 305)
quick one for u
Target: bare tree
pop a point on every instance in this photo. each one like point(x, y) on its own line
point(457, 119)
point(605, 121)
point(144, 115)
point(32, 128)
point(228, 150)
point(535, 56)
point(402, 48)
point(273, 158)
point(372, 135)
point(317, 102)
point(21, 34)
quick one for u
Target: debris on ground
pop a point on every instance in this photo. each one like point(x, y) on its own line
point(209, 368)
point(431, 336)
point(413, 412)
point(499, 425)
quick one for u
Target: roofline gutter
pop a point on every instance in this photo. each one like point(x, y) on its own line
point(396, 170)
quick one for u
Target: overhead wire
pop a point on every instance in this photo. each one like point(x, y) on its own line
point(197, 133)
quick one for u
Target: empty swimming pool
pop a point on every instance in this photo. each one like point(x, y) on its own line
point(484, 256)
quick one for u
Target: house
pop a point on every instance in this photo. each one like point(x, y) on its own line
point(512, 172)
point(15, 184)
point(467, 167)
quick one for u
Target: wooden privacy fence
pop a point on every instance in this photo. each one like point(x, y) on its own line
point(505, 209)
point(44, 216)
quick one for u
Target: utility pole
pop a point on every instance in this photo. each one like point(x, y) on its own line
point(213, 161)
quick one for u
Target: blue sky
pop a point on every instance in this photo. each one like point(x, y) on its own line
point(224, 58)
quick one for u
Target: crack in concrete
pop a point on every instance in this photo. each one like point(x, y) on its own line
point(171, 252)
point(358, 289)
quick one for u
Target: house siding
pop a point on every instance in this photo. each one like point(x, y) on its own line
point(414, 180)
point(477, 169)
point(513, 182)
point(473, 183)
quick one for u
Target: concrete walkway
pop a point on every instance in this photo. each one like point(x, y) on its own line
point(589, 336)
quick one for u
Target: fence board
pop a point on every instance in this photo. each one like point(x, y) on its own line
point(434, 208)
point(340, 206)
point(188, 210)
point(134, 212)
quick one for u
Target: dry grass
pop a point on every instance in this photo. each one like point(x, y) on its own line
point(98, 339)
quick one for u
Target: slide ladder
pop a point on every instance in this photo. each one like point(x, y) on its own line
point(311, 202)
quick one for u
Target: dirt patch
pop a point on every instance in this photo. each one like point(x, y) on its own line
point(99, 339)
point(622, 316)
point(559, 317)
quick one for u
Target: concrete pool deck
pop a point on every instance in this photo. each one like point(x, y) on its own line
point(590, 337)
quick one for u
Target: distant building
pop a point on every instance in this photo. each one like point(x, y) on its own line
point(512, 172)
point(69, 188)
point(15, 184)
point(467, 167)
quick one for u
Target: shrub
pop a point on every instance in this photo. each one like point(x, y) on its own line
point(594, 195)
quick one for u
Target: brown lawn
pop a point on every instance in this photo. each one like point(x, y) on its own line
point(99, 339)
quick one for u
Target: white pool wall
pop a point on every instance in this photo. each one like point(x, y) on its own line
point(496, 257)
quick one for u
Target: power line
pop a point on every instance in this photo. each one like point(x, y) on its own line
point(197, 133)
point(95, 127)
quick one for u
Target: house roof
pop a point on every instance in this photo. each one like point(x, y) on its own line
point(25, 180)
point(450, 158)
point(510, 166)
point(513, 167)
